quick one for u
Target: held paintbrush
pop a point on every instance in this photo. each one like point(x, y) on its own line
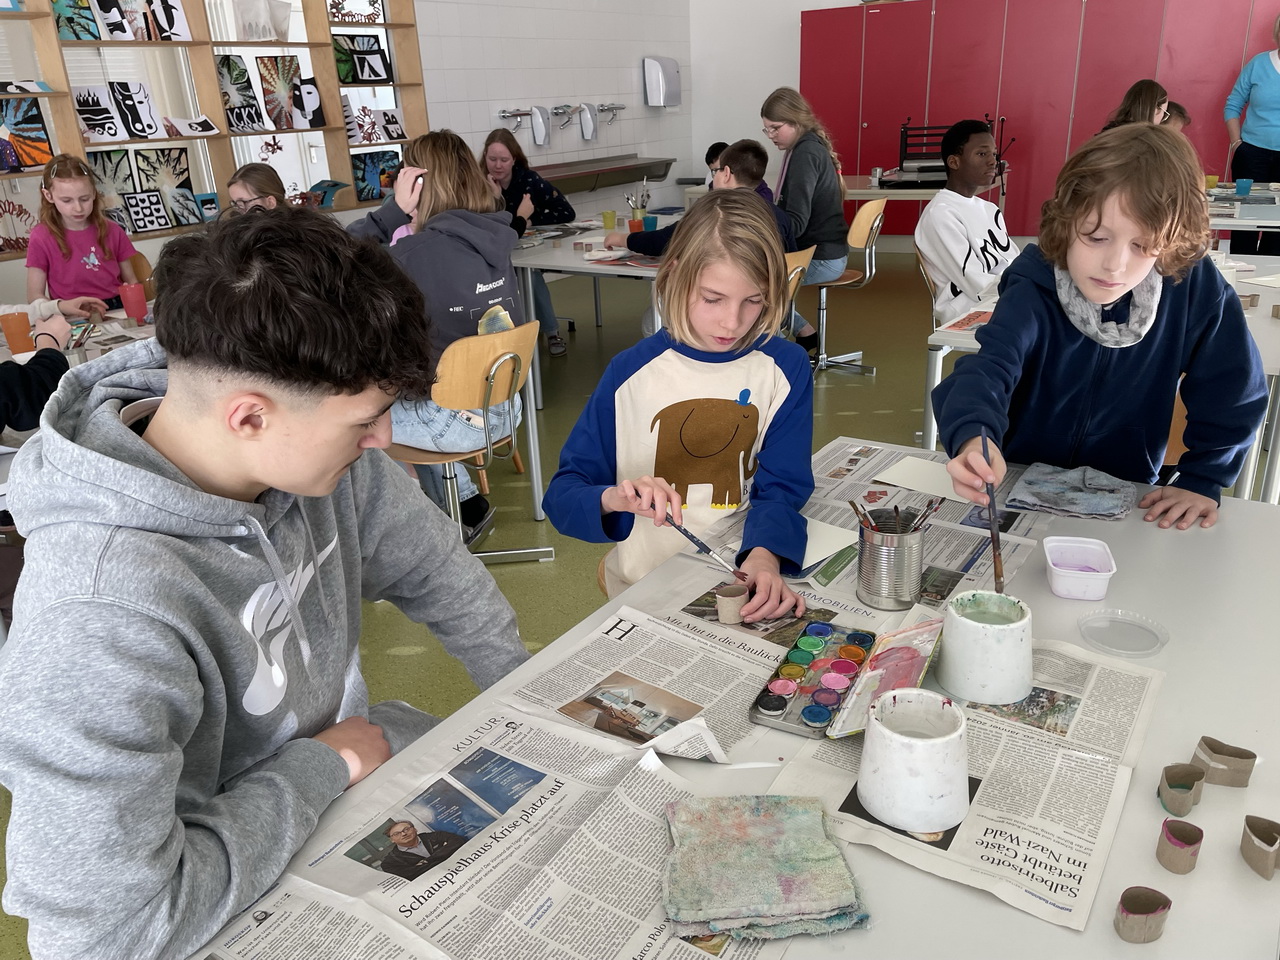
point(703, 548)
point(994, 517)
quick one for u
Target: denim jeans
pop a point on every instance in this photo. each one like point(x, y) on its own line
point(820, 271)
point(542, 308)
point(425, 425)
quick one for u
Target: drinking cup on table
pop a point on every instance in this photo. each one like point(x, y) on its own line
point(17, 332)
point(1243, 187)
point(650, 221)
point(1210, 182)
point(134, 300)
point(914, 773)
point(610, 218)
point(635, 226)
point(986, 648)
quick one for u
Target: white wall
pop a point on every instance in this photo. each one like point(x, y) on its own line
point(742, 50)
point(479, 58)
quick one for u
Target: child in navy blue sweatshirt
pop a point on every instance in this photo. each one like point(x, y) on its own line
point(707, 417)
point(1095, 327)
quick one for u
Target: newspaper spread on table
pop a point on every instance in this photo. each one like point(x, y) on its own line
point(1047, 777)
point(541, 840)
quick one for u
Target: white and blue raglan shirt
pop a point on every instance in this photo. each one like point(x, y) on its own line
point(727, 430)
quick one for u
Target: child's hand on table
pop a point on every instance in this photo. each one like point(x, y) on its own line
point(646, 497)
point(615, 240)
point(1178, 506)
point(970, 472)
point(770, 595)
point(54, 326)
point(81, 306)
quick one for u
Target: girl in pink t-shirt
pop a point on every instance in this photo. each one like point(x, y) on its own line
point(74, 249)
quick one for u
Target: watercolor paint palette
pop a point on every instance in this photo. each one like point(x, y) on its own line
point(897, 660)
point(818, 672)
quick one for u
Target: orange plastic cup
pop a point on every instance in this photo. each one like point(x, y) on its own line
point(134, 299)
point(635, 226)
point(17, 332)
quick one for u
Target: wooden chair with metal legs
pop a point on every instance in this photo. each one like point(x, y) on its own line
point(863, 233)
point(142, 270)
point(797, 266)
point(929, 284)
point(478, 373)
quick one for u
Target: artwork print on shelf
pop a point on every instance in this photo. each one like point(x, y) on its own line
point(146, 210)
point(241, 103)
point(356, 11)
point(201, 126)
point(209, 205)
point(279, 76)
point(373, 173)
point(24, 140)
point(262, 19)
point(114, 178)
point(114, 20)
point(166, 171)
point(140, 19)
point(16, 224)
point(133, 106)
point(75, 20)
point(360, 59)
point(391, 123)
point(24, 86)
point(97, 113)
point(304, 105)
point(170, 19)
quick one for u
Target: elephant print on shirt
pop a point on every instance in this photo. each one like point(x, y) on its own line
point(707, 440)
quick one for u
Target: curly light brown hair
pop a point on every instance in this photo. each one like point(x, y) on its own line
point(1160, 185)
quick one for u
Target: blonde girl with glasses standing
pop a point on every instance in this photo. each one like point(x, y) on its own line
point(809, 191)
point(75, 251)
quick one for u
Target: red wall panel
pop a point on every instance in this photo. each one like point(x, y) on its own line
point(1119, 45)
point(1037, 79)
point(831, 74)
point(964, 76)
point(895, 71)
point(1198, 67)
point(1261, 22)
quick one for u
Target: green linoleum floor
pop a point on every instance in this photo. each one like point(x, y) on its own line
point(889, 320)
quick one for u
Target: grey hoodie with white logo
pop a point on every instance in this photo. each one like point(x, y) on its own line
point(172, 653)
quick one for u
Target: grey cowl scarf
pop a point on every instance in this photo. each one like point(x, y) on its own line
point(1086, 316)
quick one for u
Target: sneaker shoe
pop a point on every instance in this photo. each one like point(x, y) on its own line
point(470, 535)
point(556, 345)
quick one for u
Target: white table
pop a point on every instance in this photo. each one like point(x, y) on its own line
point(860, 188)
point(1209, 589)
point(940, 342)
point(1252, 217)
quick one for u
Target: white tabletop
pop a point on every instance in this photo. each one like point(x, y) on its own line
point(1209, 588)
point(565, 259)
point(1264, 327)
point(1257, 216)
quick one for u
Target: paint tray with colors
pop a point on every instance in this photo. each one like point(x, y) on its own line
point(897, 660)
point(813, 680)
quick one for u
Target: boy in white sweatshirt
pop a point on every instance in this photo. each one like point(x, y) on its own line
point(961, 237)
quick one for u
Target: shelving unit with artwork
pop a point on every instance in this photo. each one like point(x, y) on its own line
point(166, 98)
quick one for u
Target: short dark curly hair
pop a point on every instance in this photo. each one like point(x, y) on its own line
point(289, 297)
point(1157, 176)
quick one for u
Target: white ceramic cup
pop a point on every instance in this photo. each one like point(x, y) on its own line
point(915, 762)
point(986, 648)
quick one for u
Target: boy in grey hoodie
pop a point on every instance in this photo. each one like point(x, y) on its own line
point(204, 513)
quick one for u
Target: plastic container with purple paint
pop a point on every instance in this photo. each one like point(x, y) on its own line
point(1079, 568)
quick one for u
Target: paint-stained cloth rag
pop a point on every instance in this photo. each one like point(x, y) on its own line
point(756, 868)
point(1080, 492)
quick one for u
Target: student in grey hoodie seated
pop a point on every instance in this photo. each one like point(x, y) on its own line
point(454, 240)
point(205, 512)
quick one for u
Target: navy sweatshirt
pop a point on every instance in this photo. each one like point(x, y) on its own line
point(1054, 396)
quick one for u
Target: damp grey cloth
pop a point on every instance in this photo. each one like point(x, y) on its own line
point(1079, 492)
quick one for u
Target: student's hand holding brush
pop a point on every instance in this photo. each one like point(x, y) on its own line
point(970, 472)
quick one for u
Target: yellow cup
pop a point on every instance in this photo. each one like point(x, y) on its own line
point(610, 218)
point(1210, 182)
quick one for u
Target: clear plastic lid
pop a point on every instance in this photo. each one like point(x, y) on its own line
point(1123, 633)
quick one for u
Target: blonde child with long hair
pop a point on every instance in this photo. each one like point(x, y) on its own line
point(75, 251)
point(809, 191)
point(452, 237)
point(710, 416)
point(1101, 326)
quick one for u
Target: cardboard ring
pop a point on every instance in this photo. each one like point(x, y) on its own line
point(1140, 914)
point(1181, 785)
point(1178, 848)
point(1224, 764)
point(1260, 845)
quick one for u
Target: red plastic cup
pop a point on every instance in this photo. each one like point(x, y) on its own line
point(635, 226)
point(134, 299)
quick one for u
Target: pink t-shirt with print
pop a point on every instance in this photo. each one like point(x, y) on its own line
point(88, 272)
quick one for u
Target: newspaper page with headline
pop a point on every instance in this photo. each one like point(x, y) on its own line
point(522, 838)
point(643, 682)
point(1047, 781)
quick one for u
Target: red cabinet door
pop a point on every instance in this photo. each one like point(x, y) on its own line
point(1037, 77)
point(1119, 45)
point(895, 78)
point(831, 74)
point(1199, 67)
point(964, 74)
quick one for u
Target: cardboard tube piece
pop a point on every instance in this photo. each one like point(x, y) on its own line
point(1179, 845)
point(1140, 914)
point(1224, 764)
point(1260, 845)
point(1180, 787)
